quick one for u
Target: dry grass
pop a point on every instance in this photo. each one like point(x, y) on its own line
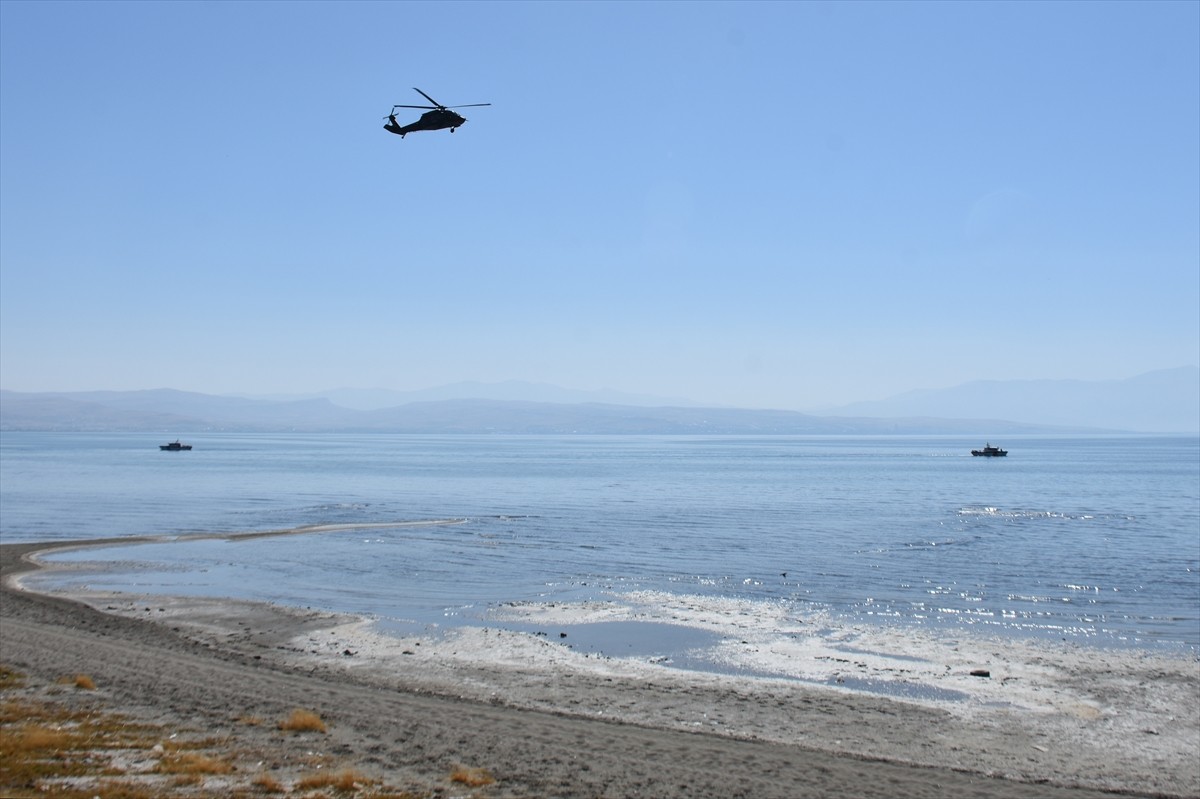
point(109, 789)
point(192, 763)
point(31, 738)
point(81, 681)
point(10, 679)
point(70, 745)
point(42, 744)
point(346, 780)
point(472, 777)
point(302, 721)
point(268, 784)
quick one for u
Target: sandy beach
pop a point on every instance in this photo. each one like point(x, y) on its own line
point(797, 710)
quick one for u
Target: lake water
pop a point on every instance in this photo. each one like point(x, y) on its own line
point(1094, 539)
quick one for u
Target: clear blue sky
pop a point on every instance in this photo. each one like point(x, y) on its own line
point(785, 205)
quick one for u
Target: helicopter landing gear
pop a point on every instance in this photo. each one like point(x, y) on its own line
point(453, 129)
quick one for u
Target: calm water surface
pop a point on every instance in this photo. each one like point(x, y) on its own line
point(1092, 538)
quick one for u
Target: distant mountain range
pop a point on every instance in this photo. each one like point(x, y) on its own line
point(1167, 401)
point(1164, 401)
point(371, 399)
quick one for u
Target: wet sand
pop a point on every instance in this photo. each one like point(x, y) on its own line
point(796, 709)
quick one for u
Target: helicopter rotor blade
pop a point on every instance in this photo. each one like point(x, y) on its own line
point(427, 97)
point(468, 105)
point(430, 107)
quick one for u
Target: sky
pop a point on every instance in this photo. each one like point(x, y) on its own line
point(768, 205)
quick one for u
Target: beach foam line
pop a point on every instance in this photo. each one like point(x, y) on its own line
point(763, 640)
point(37, 554)
point(1029, 707)
point(317, 528)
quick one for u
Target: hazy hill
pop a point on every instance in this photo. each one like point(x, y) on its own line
point(370, 399)
point(476, 416)
point(1165, 401)
point(163, 409)
point(217, 409)
point(52, 412)
point(175, 412)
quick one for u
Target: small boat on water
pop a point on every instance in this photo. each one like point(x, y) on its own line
point(174, 446)
point(989, 451)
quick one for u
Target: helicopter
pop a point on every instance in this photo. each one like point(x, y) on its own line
point(437, 117)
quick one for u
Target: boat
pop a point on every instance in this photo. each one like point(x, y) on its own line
point(989, 451)
point(174, 446)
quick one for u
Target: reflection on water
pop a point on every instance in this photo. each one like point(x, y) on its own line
point(1091, 539)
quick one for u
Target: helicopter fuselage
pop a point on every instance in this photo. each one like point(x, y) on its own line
point(437, 119)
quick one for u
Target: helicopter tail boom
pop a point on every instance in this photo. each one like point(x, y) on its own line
point(393, 126)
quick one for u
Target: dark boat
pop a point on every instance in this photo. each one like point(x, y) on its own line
point(174, 446)
point(989, 451)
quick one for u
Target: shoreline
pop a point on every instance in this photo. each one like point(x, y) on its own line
point(1079, 721)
